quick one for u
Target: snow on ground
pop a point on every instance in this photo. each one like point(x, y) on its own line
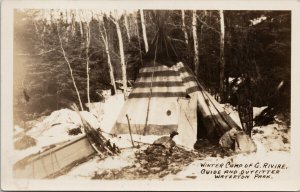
point(125, 158)
point(87, 170)
point(266, 153)
point(273, 141)
point(18, 131)
point(107, 112)
point(273, 146)
point(124, 140)
point(270, 149)
point(233, 113)
point(197, 171)
point(60, 122)
point(272, 137)
point(54, 128)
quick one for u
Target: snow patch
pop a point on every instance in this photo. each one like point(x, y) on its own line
point(124, 140)
point(54, 129)
point(272, 141)
point(18, 132)
point(273, 137)
point(258, 110)
point(195, 168)
point(88, 169)
point(60, 122)
point(107, 112)
point(257, 20)
point(233, 113)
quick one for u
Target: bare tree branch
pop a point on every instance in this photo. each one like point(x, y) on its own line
point(70, 68)
point(186, 38)
point(122, 55)
point(144, 30)
point(105, 42)
point(178, 40)
point(207, 26)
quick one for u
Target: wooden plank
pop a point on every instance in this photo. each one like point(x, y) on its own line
point(54, 160)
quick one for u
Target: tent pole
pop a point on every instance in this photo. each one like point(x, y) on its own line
point(130, 130)
point(150, 95)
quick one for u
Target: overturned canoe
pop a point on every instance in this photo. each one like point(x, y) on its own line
point(54, 161)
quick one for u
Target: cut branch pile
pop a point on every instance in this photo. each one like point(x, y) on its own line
point(101, 145)
point(153, 163)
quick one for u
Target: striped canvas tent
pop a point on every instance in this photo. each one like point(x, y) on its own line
point(163, 100)
point(166, 97)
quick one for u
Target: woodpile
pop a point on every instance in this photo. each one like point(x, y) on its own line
point(101, 145)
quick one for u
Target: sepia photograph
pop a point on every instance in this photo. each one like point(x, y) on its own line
point(131, 94)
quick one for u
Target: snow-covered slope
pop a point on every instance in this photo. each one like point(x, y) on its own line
point(54, 128)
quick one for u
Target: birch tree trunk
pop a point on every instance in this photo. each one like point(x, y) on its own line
point(73, 28)
point(105, 42)
point(144, 30)
point(139, 40)
point(80, 24)
point(88, 41)
point(135, 21)
point(186, 38)
point(81, 28)
point(51, 17)
point(203, 69)
point(122, 55)
point(195, 38)
point(70, 68)
point(126, 25)
point(115, 20)
point(67, 16)
point(222, 58)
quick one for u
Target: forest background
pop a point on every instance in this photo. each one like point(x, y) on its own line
point(66, 56)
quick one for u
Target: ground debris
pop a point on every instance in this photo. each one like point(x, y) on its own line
point(156, 162)
point(207, 149)
point(152, 163)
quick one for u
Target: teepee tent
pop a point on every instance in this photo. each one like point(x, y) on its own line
point(166, 97)
point(163, 100)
